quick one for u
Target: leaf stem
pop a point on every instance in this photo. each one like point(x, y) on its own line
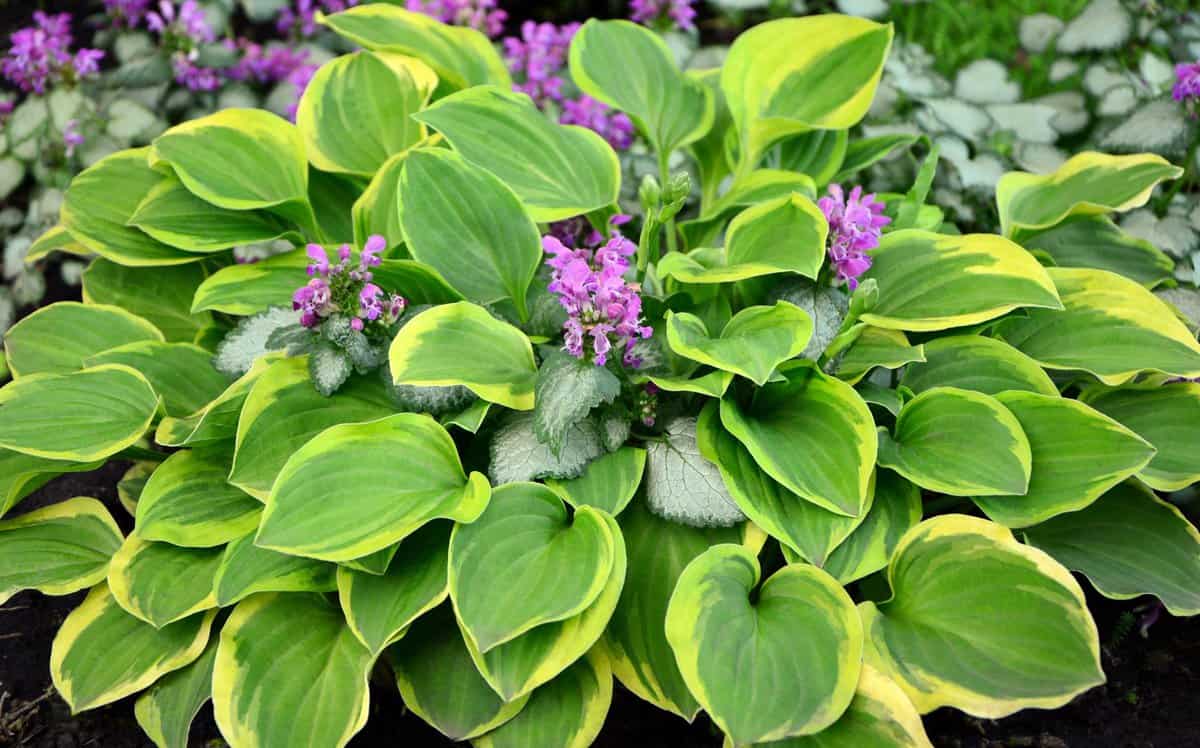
point(664, 176)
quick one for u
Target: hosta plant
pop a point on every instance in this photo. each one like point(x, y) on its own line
point(807, 459)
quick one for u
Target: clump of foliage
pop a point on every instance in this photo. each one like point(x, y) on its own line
point(516, 442)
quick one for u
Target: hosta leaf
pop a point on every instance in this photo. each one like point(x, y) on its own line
point(216, 422)
point(567, 389)
point(967, 600)
point(631, 68)
point(83, 416)
point(973, 362)
point(346, 129)
point(895, 508)
point(708, 151)
point(864, 152)
point(246, 569)
point(756, 187)
point(304, 637)
point(377, 210)
point(788, 657)
point(59, 338)
point(608, 482)
point(187, 501)
point(54, 239)
point(1167, 416)
point(1088, 183)
point(165, 711)
point(1078, 454)
point(817, 153)
point(1129, 543)
point(1097, 242)
point(57, 550)
point(572, 171)
point(752, 344)
point(933, 281)
point(163, 298)
point(1111, 327)
point(162, 583)
point(877, 346)
point(683, 486)
point(174, 216)
point(102, 654)
point(182, 373)
point(517, 455)
point(420, 283)
point(712, 384)
point(251, 288)
point(461, 344)
point(21, 475)
point(958, 442)
point(813, 434)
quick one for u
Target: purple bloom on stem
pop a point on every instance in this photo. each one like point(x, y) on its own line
point(615, 127)
point(370, 306)
point(262, 66)
point(320, 259)
point(372, 248)
point(346, 287)
point(537, 57)
point(41, 54)
point(313, 300)
point(1187, 82)
point(299, 78)
point(126, 13)
point(481, 15)
point(303, 15)
point(72, 138)
point(651, 12)
point(854, 230)
point(188, 21)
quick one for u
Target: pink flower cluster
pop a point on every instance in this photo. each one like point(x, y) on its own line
point(41, 54)
point(128, 13)
point(260, 65)
point(854, 230)
point(187, 21)
point(615, 127)
point(669, 12)
point(481, 15)
point(302, 15)
point(602, 308)
point(1187, 82)
point(346, 288)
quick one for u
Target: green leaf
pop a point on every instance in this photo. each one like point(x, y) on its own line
point(1129, 543)
point(1088, 183)
point(59, 338)
point(1097, 242)
point(753, 188)
point(163, 297)
point(608, 482)
point(216, 422)
point(895, 509)
point(864, 152)
point(181, 373)
point(162, 583)
point(933, 281)
point(357, 488)
point(752, 344)
point(817, 153)
point(246, 569)
point(187, 501)
point(766, 663)
point(958, 442)
point(709, 150)
point(102, 654)
point(813, 434)
point(797, 74)
point(1167, 416)
point(462, 57)
point(973, 362)
point(567, 389)
point(420, 283)
point(174, 216)
point(967, 600)
point(377, 210)
point(462, 344)
point(54, 239)
point(1078, 454)
point(355, 113)
point(572, 171)
point(470, 418)
point(83, 416)
point(712, 384)
point(682, 485)
point(165, 710)
point(251, 288)
point(877, 346)
point(58, 549)
point(380, 607)
point(304, 636)
point(522, 543)
point(630, 68)
point(21, 475)
point(517, 455)
point(332, 197)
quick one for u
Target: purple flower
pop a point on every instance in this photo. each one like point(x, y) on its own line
point(481, 15)
point(187, 22)
point(302, 17)
point(263, 66)
point(370, 305)
point(6, 108)
point(72, 138)
point(346, 287)
point(1187, 82)
point(299, 78)
point(194, 77)
point(372, 248)
point(651, 13)
point(854, 230)
point(41, 54)
point(87, 62)
point(313, 299)
point(320, 260)
point(128, 13)
point(537, 57)
point(615, 127)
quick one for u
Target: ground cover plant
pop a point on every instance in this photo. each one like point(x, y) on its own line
point(503, 430)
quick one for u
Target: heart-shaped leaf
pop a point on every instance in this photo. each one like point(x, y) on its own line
point(59, 338)
point(1167, 416)
point(165, 710)
point(187, 501)
point(182, 373)
point(57, 550)
point(973, 362)
point(752, 344)
point(895, 508)
point(162, 583)
point(245, 569)
point(608, 482)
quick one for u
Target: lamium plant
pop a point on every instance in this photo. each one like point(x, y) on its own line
point(757, 444)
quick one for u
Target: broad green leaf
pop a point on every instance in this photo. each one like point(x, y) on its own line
point(1097, 242)
point(506, 568)
point(250, 288)
point(958, 442)
point(973, 362)
point(379, 608)
point(567, 389)
point(1088, 183)
point(1167, 416)
point(84, 416)
point(289, 672)
point(217, 422)
point(54, 239)
point(357, 488)
point(933, 281)
point(182, 373)
point(967, 602)
point(568, 711)
point(102, 654)
point(103, 198)
point(817, 153)
point(1129, 543)
point(470, 418)
point(797, 74)
point(752, 344)
point(681, 484)
point(165, 710)
point(129, 488)
point(417, 282)
point(631, 68)
point(21, 475)
point(439, 681)
point(163, 297)
point(863, 152)
point(571, 171)
point(246, 569)
point(753, 188)
point(162, 583)
point(283, 411)
point(1111, 327)
point(1078, 454)
point(813, 434)
point(187, 502)
point(712, 384)
point(884, 397)
point(332, 197)
point(59, 338)
point(461, 344)
point(469, 226)
point(377, 210)
point(877, 346)
point(895, 508)
point(766, 663)
point(709, 152)
point(356, 112)
point(174, 216)
point(462, 57)
point(57, 550)
point(607, 483)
